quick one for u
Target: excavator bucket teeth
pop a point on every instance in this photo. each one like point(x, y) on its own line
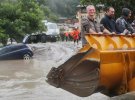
point(79, 75)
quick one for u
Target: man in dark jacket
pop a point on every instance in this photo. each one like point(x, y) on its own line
point(108, 20)
point(123, 23)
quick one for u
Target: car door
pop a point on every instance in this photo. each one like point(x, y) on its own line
point(10, 52)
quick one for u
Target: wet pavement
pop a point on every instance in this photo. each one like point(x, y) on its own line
point(25, 80)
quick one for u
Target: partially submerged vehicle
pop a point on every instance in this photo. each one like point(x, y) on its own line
point(106, 64)
point(38, 38)
point(51, 35)
point(53, 31)
point(16, 51)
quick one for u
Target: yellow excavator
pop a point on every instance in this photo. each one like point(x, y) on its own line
point(106, 64)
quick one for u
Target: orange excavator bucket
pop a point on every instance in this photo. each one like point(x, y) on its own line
point(106, 64)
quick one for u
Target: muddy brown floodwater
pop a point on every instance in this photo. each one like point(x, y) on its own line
point(25, 80)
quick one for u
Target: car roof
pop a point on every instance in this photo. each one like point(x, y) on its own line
point(15, 45)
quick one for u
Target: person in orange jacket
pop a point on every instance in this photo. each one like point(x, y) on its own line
point(75, 35)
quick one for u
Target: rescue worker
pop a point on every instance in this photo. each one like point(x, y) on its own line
point(75, 35)
point(123, 23)
point(90, 25)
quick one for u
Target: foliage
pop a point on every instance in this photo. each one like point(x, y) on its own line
point(32, 15)
point(48, 14)
point(20, 18)
point(63, 8)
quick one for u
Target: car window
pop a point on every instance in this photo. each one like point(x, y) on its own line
point(34, 38)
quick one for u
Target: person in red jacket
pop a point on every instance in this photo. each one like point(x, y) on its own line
point(75, 35)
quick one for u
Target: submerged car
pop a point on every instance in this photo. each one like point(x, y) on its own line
point(42, 38)
point(18, 51)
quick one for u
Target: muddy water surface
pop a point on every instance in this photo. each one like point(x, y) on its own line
point(25, 80)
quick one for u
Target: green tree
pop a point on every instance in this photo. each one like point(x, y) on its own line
point(8, 16)
point(49, 15)
point(20, 18)
point(63, 8)
point(32, 15)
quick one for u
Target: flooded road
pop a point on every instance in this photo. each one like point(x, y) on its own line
point(25, 80)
